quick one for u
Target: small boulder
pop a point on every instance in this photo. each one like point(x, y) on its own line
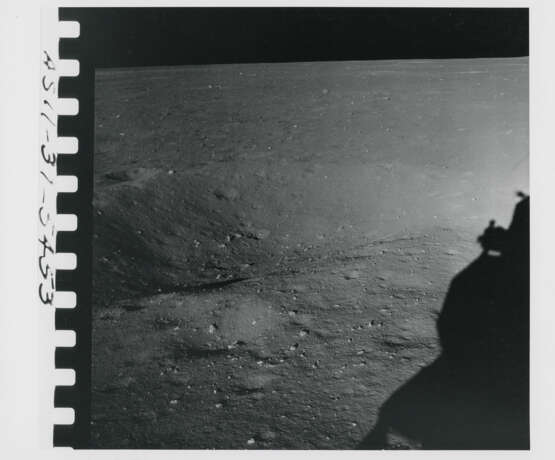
point(266, 435)
point(229, 193)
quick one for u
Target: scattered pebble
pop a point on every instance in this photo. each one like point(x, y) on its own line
point(259, 234)
point(355, 274)
point(267, 435)
point(228, 194)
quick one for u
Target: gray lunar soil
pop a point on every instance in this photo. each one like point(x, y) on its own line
point(273, 242)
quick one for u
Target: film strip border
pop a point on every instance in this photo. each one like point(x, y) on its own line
point(65, 169)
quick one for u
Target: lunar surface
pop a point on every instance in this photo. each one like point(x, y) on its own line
point(273, 243)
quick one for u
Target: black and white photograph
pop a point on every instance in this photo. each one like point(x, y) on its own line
point(277, 228)
point(313, 233)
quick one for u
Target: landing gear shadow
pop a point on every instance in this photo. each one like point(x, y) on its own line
point(476, 394)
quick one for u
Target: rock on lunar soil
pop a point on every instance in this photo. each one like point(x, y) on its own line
point(228, 193)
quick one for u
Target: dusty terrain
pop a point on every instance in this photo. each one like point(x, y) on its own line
point(273, 242)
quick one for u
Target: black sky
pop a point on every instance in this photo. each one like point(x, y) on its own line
point(119, 37)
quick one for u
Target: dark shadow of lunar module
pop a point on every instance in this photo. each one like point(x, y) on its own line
point(476, 394)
